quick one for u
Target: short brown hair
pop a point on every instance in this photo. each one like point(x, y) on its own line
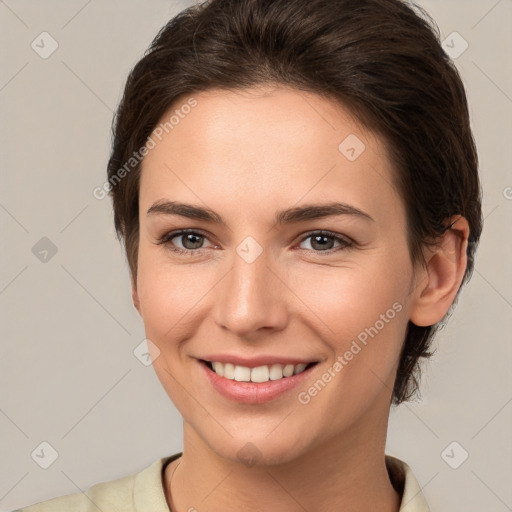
point(380, 58)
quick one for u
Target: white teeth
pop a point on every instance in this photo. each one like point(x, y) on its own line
point(242, 373)
point(257, 374)
point(260, 374)
point(229, 370)
point(288, 370)
point(219, 368)
point(276, 372)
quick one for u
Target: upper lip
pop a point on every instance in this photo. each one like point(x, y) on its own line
point(253, 362)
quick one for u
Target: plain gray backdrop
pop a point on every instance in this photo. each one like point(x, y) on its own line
point(68, 373)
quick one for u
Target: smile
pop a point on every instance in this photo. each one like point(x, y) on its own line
point(256, 384)
point(262, 373)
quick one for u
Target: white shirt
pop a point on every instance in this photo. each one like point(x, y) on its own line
point(144, 492)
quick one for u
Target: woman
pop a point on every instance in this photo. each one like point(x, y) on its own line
point(296, 186)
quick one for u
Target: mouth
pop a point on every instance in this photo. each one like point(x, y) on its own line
point(256, 380)
point(258, 374)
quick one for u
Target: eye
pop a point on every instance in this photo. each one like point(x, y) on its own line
point(191, 241)
point(322, 241)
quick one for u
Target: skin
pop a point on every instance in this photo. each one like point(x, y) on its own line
point(246, 155)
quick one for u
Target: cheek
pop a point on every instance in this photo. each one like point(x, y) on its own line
point(346, 300)
point(170, 294)
point(363, 316)
point(165, 297)
point(362, 311)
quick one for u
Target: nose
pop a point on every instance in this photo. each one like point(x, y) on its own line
point(252, 298)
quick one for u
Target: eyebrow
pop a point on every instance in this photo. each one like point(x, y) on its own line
point(287, 216)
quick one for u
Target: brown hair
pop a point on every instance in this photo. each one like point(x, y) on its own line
point(380, 58)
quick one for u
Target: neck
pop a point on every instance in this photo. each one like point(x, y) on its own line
point(347, 474)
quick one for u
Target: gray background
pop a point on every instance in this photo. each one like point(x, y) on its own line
point(68, 375)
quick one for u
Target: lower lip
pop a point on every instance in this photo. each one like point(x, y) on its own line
point(253, 392)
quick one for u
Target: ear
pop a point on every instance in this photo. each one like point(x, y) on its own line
point(438, 283)
point(135, 295)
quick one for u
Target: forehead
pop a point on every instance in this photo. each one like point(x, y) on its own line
point(273, 144)
point(248, 120)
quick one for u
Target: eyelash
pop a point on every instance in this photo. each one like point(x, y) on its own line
point(167, 237)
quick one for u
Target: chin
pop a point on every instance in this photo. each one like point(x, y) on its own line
point(256, 449)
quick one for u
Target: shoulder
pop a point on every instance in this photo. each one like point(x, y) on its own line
point(106, 496)
point(121, 495)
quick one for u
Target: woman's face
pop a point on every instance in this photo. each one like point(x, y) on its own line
point(254, 292)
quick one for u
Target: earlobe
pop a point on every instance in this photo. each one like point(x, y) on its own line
point(440, 280)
